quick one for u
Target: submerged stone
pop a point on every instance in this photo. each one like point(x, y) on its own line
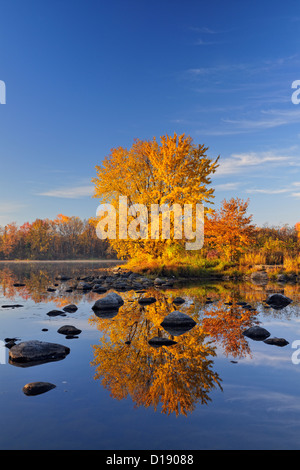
point(70, 308)
point(12, 306)
point(36, 388)
point(178, 301)
point(157, 342)
point(276, 341)
point(177, 323)
point(111, 301)
point(257, 333)
point(55, 313)
point(278, 301)
point(62, 277)
point(68, 330)
point(146, 300)
point(35, 352)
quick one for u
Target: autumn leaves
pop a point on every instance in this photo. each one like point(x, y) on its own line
point(174, 177)
point(173, 174)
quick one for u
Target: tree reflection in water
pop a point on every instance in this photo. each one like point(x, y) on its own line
point(175, 377)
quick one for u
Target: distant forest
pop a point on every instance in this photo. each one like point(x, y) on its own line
point(44, 239)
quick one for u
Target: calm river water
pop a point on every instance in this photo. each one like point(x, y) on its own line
point(213, 389)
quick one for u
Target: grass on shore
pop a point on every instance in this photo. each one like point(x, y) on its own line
point(195, 266)
point(189, 267)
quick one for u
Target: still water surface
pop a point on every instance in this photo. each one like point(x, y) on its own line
point(213, 389)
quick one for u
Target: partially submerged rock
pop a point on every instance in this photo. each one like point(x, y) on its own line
point(146, 300)
point(69, 330)
point(177, 323)
point(278, 301)
point(111, 301)
point(157, 342)
point(276, 341)
point(178, 301)
point(55, 313)
point(35, 352)
point(259, 277)
point(70, 308)
point(12, 306)
point(36, 388)
point(257, 333)
point(10, 342)
point(62, 277)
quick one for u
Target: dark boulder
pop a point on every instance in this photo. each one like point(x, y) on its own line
point(177, 323)
point(36, 388)
point(257, 333)
point(62, 277)
point(146, 300)
point(12, 306)
point(55, 313)
point(35, 352)
point(278, 301)
point(70, 308)
point(178, 301)
point(69, 330)
point(157, 342)
point(276, 341)
point(111, 301)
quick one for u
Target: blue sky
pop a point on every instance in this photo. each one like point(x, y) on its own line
point(84, 76)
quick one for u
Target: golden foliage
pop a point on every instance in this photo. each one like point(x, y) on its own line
point(172, 171)
point(229, 229)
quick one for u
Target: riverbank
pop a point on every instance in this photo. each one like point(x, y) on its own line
point(210, 270)
point(28, 261)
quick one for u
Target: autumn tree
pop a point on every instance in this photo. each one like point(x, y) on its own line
point(9, 239)
point(70, 228)
point(62, 238)
point(229, 229)
point(172, 171)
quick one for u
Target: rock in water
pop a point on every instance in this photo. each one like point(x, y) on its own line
point(259, 277)
point(177, 323)
point(55, 313)
point(111, 301)
point(157, 342)
point(146, 300)
point(257, 333)
point(36, 352)
point(36, 388)
point(278, 301)
point(68, 330)
point(70, 308)
point(62, 277)
point(178, 301)
point(276, 341)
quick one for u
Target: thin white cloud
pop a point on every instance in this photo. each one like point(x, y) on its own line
point(268, 191)
point(243, 161)
point(275, 118)
point(288, 190)
point(70, 193)
point(226, 186)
